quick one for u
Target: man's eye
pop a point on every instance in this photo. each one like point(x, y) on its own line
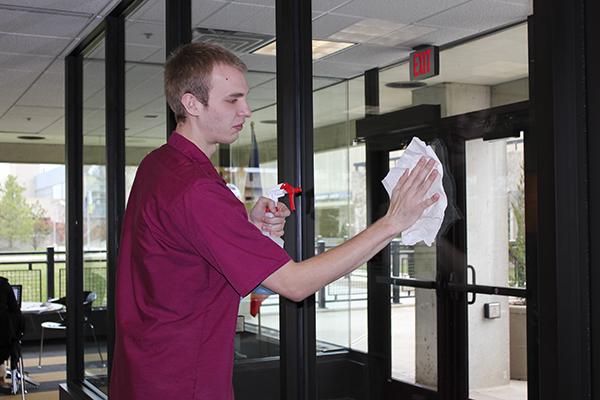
point(232, 101)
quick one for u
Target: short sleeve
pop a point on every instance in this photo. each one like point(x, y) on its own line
point(216, 225)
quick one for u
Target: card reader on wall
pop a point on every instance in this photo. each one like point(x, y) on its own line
point(491, 310)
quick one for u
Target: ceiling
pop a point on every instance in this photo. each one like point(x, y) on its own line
point(36, 35)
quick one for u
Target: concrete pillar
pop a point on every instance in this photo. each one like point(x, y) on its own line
point(425, 318)
point(487, 244)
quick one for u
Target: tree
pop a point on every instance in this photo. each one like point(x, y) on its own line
point(42, 225)
point(516, 249)
point(16, 221)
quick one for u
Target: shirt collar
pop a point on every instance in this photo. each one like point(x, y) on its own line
point(179, 142)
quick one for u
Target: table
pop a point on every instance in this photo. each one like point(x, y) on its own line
point(36, 307)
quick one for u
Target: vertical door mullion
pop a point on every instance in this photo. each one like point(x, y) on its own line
point(178, 25)
point(295, 165)
point(115, 158)
point(378, 267)
point(452, 319)
point(74, 217)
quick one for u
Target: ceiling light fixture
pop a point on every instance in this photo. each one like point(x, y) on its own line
point(405, 84)
point(31, 137)
point(366, 30)
point(320, 48)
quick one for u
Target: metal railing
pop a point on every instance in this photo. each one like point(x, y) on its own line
point(353, 286)
point(41, 272)
point(43, 275)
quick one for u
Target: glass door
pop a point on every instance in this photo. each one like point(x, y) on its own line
point(449, 321)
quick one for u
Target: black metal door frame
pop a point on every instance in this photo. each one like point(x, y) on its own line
point(393, 131)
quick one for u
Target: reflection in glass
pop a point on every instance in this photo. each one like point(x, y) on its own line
point(94, 216)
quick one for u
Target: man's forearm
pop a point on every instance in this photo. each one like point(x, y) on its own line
point(299, 280)
point(407, 203)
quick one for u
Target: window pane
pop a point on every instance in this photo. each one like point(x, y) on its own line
point(145, 104)
point(94, 215)
point(414, 334)
point(249, 165)
point(32, 208)
point(414, 311)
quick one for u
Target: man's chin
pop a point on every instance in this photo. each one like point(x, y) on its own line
point(232, 138)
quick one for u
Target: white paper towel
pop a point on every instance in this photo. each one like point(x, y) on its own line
point(426, 227)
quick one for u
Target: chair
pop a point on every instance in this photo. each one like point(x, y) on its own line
point(89, 298)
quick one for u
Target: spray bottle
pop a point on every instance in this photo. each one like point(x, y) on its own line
point(274, 194)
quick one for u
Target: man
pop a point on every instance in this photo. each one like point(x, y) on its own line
point(11, 326)
point(189, 250)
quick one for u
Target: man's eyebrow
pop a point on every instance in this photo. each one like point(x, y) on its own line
point(236, 95)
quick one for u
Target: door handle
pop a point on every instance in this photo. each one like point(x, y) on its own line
point(474, 282)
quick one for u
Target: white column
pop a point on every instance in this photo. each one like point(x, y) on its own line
point(425, 317)
point(487, 251)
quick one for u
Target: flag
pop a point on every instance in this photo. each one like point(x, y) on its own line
point(252, 191)
point(253, 186)
point(256, 299)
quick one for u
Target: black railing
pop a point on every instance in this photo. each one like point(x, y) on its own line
point(41, 272)
point(43, 275)
point(353, 286)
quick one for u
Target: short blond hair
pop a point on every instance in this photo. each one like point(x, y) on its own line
point(188, 70)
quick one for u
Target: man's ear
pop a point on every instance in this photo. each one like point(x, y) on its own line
point(191, 104)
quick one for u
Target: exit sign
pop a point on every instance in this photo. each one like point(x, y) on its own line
point(424, 62)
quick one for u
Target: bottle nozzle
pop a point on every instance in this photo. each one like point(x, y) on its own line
point(291, 192)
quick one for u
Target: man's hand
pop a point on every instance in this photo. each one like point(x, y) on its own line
point(269, 217)
point(408, 197)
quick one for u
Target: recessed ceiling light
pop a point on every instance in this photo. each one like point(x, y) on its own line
point(366, 30)
point(31, 137)
point(403, 35)
point(405, 84)
point(320, 48)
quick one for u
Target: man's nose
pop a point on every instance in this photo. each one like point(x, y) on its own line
point(245, 110)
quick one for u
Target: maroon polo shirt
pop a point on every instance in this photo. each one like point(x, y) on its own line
point(187, 254)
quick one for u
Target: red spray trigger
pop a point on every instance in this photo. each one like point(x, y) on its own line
point(291, 192)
